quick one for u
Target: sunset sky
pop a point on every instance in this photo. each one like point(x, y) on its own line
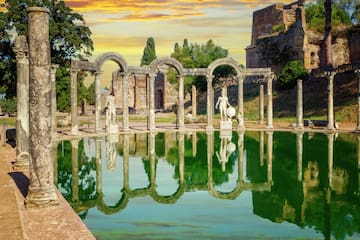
point(123, 26)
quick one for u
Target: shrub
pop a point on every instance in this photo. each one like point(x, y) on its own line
point(290, 73)
point(8, 105)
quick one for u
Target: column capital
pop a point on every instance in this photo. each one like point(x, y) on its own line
point(269, 77)
point(152, 75)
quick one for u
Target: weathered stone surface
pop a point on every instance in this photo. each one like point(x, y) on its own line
point(41, 190)
point(22, 96)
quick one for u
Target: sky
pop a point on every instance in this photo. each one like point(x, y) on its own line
point(123, 26)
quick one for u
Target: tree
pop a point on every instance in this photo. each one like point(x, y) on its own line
point(69, 39)
point(290, 73)
point(149, 52)
point(198, 56)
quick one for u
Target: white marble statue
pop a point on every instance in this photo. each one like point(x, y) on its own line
point(111, 125)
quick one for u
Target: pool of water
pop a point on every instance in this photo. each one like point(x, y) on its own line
point(228, 185)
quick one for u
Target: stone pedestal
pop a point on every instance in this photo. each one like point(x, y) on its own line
point(225, 125)
point(41, 191)
point(22, 116)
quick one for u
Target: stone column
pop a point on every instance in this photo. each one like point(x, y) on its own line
point(299, 151)
point(241, 156)
point(194, 144)
point(269, 123)
point(54, 67)
point(75, 170)
point(181, 156)
point(181, 103)
point(241, 102)
point(210, 152)
point(41, 191)
point(152, 160)
point(358, 100)
point(269, 155)
point(330, 157)
point(299, 106)
point(125, 102)
point(261, 147)
point(209, 104)
point(194, 101)
point(97, 101)
point(22, 103)
point(261, 103)
point(330, 76)
point(152, 102)
point(98, 166)
point(126, 161)
point(74, 106)
point(55, 162)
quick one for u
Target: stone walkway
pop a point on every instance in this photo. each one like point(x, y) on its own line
point(61, 222)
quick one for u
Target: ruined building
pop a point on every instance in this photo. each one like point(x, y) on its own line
point(279, 32)
point(166, 95)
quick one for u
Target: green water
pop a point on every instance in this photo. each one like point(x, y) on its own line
point(255, 185)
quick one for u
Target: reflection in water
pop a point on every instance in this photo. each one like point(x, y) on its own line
point(311, 183)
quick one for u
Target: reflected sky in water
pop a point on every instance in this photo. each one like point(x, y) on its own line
point(252, 185)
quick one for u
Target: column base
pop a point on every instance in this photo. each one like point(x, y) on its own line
point(22, 161)
point(209, 128)
point(41, 198)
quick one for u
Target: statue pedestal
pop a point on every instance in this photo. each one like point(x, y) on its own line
point(225, 125)
point(112, 128)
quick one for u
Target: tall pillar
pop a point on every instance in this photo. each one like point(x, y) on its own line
point(269, 155)
point(22, 103)
point(126, 161)
point(269, 123)
point(55, 162)
point(241, 102)
point(261, 103)
point(181, 104)
point(210, 153)
point(209, 104)
point(125, 101)
point(261, 147)
point(330, 157)
point(299, 106)
point(358, 100)
point(299, 153)
point(194, 144)
point(41, 191)
point(181, 156)
point(194, 101)
point(97, 101)
point(152, 160)
point(54, 67)
point(98, 166)
point(152, 102)
point(74, 107)
point(241, 156)
point(75, 170)
point(330, 76)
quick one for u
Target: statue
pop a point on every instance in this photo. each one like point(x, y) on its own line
point(226, 149)
point(226, 110)
point(111, 126)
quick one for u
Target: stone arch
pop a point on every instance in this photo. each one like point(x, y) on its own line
point(170, 199)
point(167, 61)
point(120, 60)
point(222, 195)
point(119, 206)
point(224, 61)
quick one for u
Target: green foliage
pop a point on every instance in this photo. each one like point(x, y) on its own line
point(198, 56)
point(278, 28)
point(315, 17)
point(63, 89)
point(8, 105)
point(69, 39)
point(149, 52)
point(289, 75)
